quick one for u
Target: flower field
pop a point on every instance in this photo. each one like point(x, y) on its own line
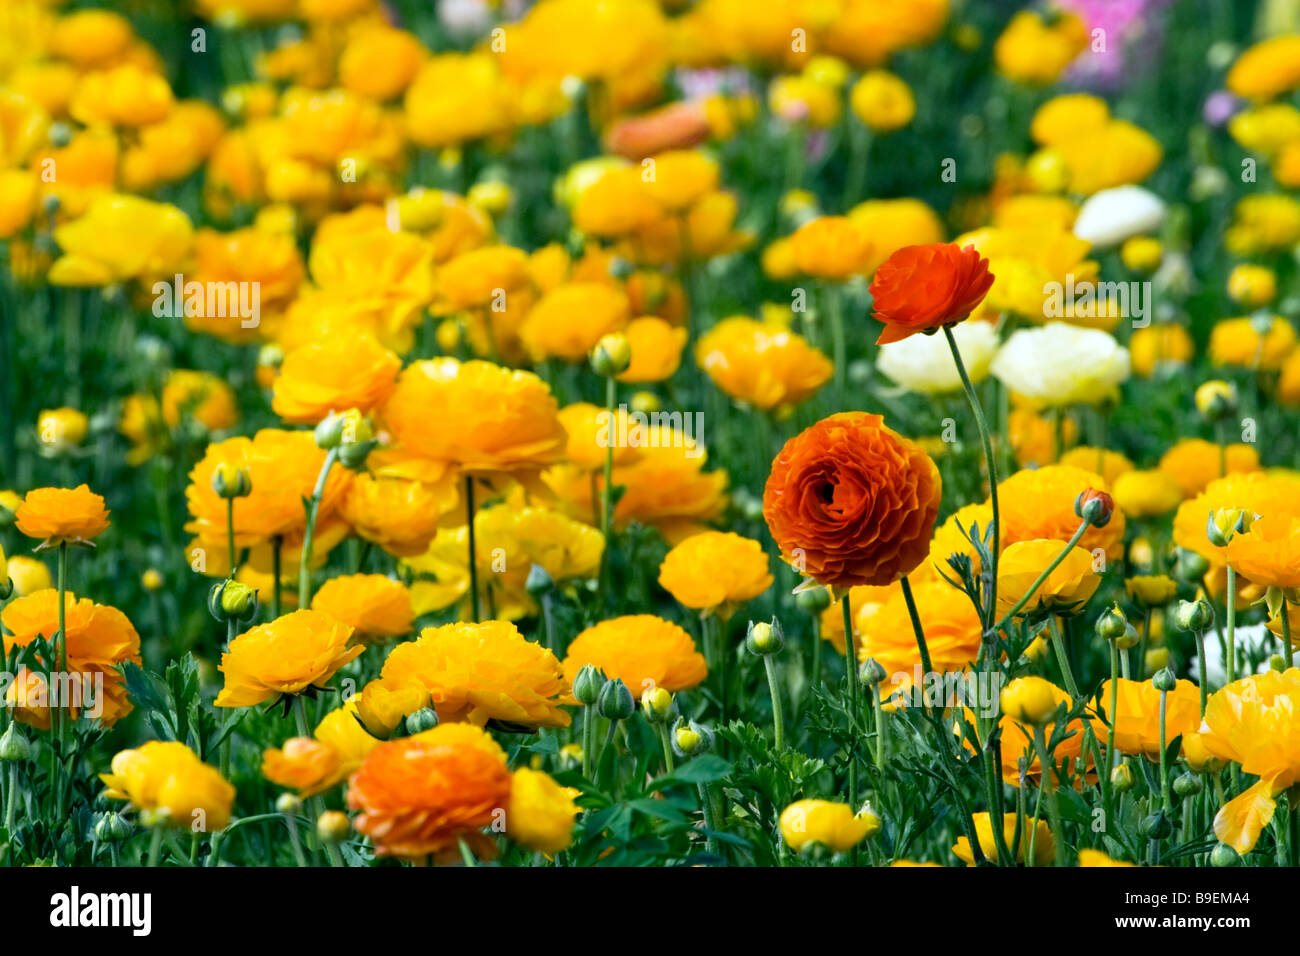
point(647, 433)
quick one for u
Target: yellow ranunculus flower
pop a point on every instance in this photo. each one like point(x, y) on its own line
point(833, 825)
point(540, 814)
point(715, 570)
point(1067, 588)
point(882, 101)
point(1038, 838)
point(289, 655)
point(169, 782)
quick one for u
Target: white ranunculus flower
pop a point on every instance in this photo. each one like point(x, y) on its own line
point(923, 363)
point(1109, 217)
point(1061, 364)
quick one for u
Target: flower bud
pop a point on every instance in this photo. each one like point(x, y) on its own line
point(872, 672)
point(612, 355)
point(1224, 523)
point(763, 639)
point(1111, 625)
point(870, 819)
point(1094, 507)
point(814, 599)
point(1156, 826)
point(346, 428)
point(152, 579)
point(690, 738)
point(1224, 855)
point(1129, 640)
point(647, 403)
point(13, 744)
point(539, 580)
point(658, 705)
point(1164, 679)
point(1277, 662)
point(112, 828)
point(1194, 616)
point(333, 826)
point(426, 718)
point(615, 701)
point(1121, 778)
point(231, 481)
point(620, 267)
point(1188, 784)
point(1216, 400)
point(1190, 566)
point(288, 803)
point(1029, 700)
point(232, 599)
point(587, 685)
point(353, 456)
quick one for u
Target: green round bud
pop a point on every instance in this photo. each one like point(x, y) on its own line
point(620, 268)
point(1121, 778)
point(690, 738)
point(1112, 624)
point(814, 600)
point(539, 580)
point(1129, 640)
point(612, 355)
point(763, 639)
point(231, 481)
point(587, 685)
point(232, 599)
point(288, 803)
point(1277, 662)
point(1094, 507)
point(1156, 826)
point(60, 135)
point(1188, 784)
point(426, 718)
point(353, 456)
point(1194, 616)
point(616, 701)
point(1164, 679)
point(872, 672)
point(1224, 855)
point(14, 744)
point(658, 705)
point(112, 828)
point(1190, 566)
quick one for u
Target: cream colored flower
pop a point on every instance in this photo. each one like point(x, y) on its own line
point(1062, 364)
point(923, 363)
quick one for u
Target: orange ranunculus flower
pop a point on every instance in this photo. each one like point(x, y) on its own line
point(334, 375)
point(168, 781)
point(58, 515)
point(398, 514)
point(468, 672)
point(1267, 69)
point(926, 287)
point(477, 415)
point(1109, 464)
point(952, 631)
point(850, 501)
point(420, 795)
point(373, 605)
point(681, 178)
point(313, 764)
point(715, 570)
point(567, 322)
point(673, 126)
point(1137, 715)
point(641, 650)
point(762, 363)
point(1039, 503)
point(256, 254)
point(831, 247)
point(294, 653)
point(283, 467)
point(1195, 462)
point(380, 62)
point(1253, 722)
point(99, 638)
point(656, 347)
point(1066, 590)
point(476, 278)
point(126, 95)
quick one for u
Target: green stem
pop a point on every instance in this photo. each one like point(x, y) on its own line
point(991, 464)
point(1165, 792)
point(276, 544)
point(607, 491)
point(851, 694)
point(313, 505)
point(1053, 800)
point(774, 688)
point(1201, 666)
point(710, 825)
point(1286, 633)
point(155, 845)
point(1063, 659)
point(669, 763)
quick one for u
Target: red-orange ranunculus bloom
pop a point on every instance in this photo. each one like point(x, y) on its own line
point(926, 287)
point(852, 502)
